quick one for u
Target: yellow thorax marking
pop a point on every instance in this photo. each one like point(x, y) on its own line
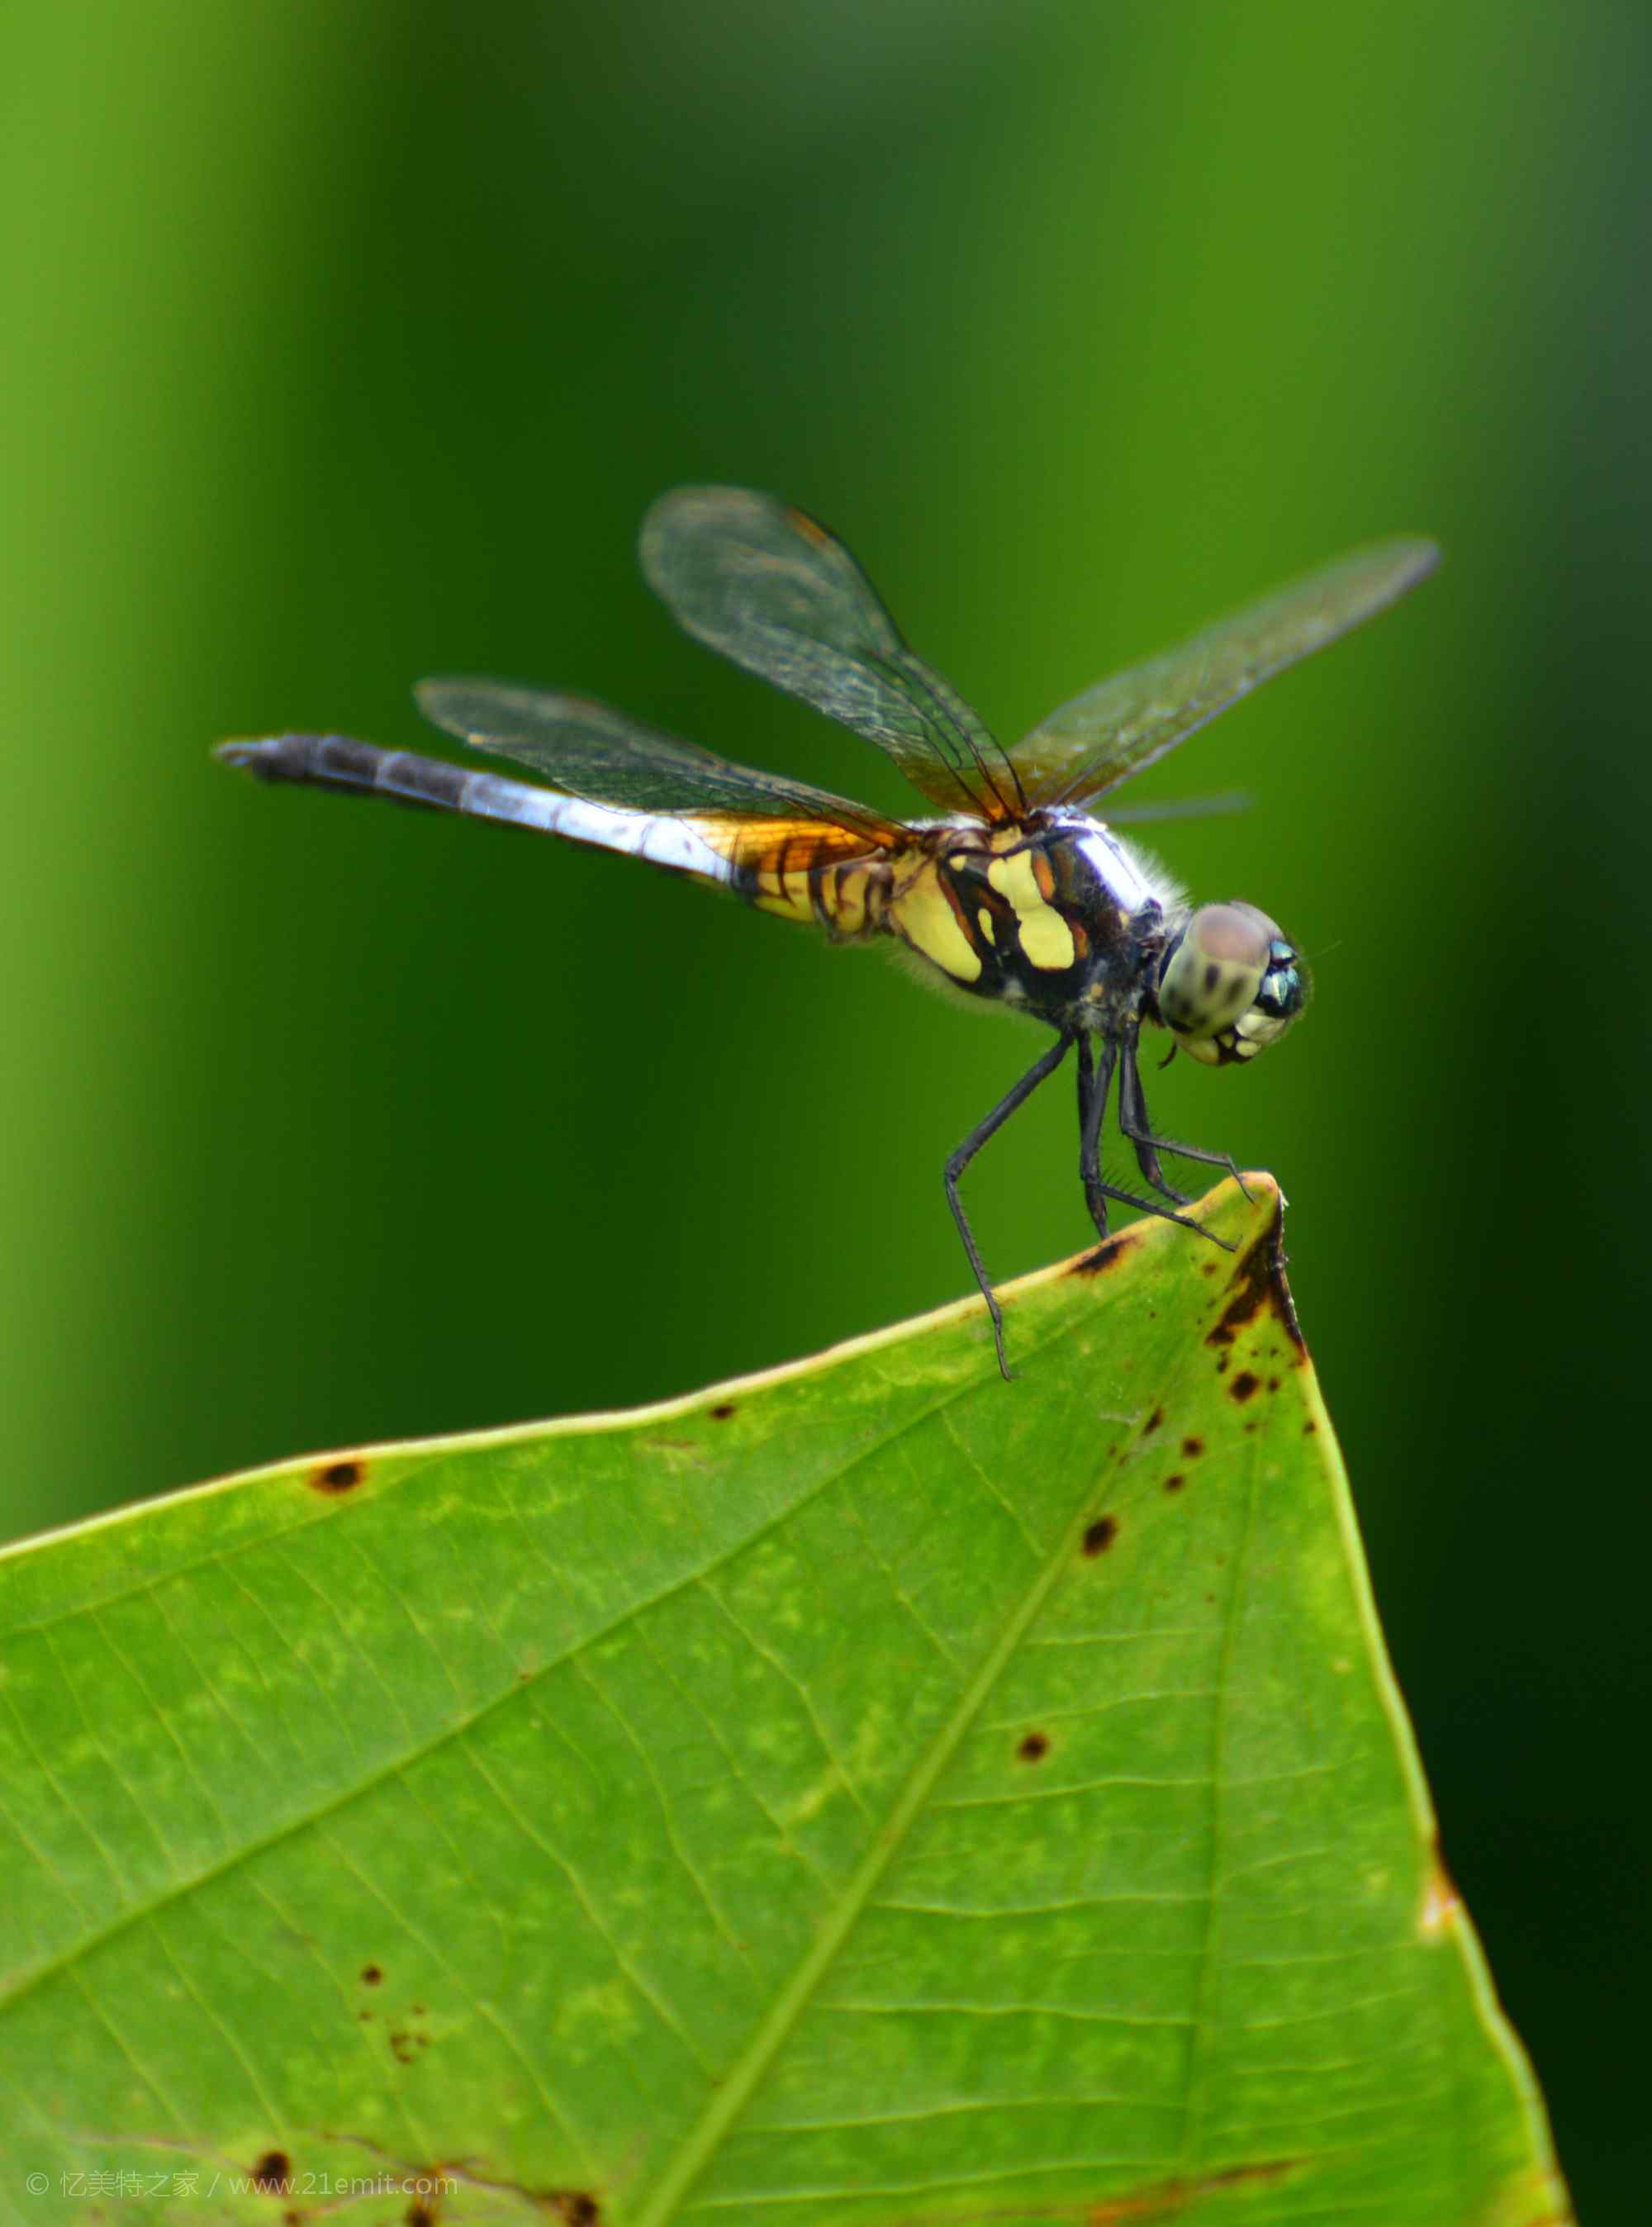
point(923, 914)
point(1045, 937)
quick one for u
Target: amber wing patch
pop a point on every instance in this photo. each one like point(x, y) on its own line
point(802, 869)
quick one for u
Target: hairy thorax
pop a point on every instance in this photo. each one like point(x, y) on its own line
point(1054, 915)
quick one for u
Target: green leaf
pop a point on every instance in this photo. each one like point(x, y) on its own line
point(867, 1793)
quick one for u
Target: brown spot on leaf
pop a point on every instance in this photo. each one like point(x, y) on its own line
point(1110, 1254)
point(337, 1476)
point(1442, 1904)
point(1166, 2198)
point(272, 2173)
point(575, 2207)
point(1100, 1535)
point(721, 1412)
point(1250, 1295)
point(371, 1975)
point(1244, 1385)
point(1192, 1448)
point(419, 2214)
point(1309, 1427)
point(1259, 1283)
point(1175, 1482)
point(1153, 1422)
point(1033, 1748)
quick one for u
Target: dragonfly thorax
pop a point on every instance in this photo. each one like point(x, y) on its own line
point(1054, 915)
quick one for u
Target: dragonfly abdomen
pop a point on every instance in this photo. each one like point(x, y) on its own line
point(808, 871)
point(339, 763)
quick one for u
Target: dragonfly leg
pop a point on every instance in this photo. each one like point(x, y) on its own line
point(1133, 1120)
point(1166, 1214)
point(961, 1159)
point(1095, 1080)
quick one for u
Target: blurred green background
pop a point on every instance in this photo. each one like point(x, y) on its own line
point(349, 341)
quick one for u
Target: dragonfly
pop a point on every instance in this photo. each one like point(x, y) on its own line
point(1016, 891)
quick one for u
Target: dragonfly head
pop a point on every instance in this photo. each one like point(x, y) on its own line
point(1231, 984)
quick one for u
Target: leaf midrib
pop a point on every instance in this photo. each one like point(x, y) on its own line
point(733, 2093)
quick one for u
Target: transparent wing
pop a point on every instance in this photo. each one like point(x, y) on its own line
point(1222, 805)
point(1123, 722)
point(590, 751)
point(768, 587)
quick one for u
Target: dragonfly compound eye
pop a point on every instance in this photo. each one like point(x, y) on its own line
point(1231, 985)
